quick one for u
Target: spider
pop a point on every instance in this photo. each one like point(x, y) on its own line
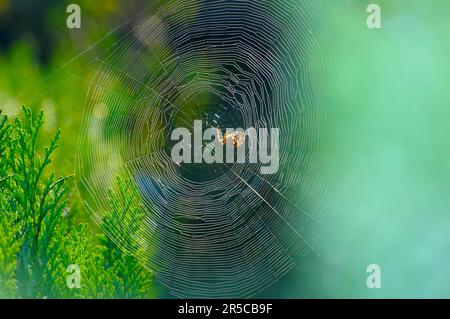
point(238, 138)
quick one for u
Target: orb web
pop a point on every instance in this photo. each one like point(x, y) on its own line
point(212, 230)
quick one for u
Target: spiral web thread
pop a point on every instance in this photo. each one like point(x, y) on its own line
point(214, 230)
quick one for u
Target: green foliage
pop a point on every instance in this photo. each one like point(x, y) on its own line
point(38, 203)
point(37, 239)
point(123, 223)
point(9, 230)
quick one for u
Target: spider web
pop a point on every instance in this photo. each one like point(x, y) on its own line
point(212, 230)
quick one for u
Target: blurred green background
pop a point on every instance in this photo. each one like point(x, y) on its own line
point(388, 98)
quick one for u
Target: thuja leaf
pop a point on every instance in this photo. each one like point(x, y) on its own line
point(38, 242)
